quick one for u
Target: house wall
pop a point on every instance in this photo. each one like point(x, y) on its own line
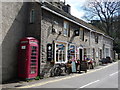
point(103, 42)
point(47, 36)
point(13, 29)
point(108, 43)
point(97, 46)
point(34, 29)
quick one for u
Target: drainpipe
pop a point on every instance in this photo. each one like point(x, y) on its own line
point(90, 44)
point(90, 39)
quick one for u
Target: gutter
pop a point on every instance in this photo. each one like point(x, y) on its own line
point(73, 21)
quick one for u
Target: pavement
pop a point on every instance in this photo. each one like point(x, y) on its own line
point(17, 83)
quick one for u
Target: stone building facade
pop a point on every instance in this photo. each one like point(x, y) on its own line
point(70, 37)
point(91, 42)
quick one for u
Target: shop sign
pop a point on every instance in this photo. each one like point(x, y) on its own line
point(49, 52)
point(73, 66)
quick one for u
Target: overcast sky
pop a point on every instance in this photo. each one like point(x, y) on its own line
point(76, 9)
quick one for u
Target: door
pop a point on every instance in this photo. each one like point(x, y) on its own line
point(80, 54)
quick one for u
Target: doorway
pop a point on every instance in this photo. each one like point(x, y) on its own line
point(80, 54)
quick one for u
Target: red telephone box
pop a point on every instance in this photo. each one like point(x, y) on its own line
point(28, 58)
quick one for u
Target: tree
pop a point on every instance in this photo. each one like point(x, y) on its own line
point(106, 14)
point(116, 26)
point(105, 11)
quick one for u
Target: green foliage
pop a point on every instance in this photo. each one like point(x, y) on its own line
point(117, 46)
point(37, 78)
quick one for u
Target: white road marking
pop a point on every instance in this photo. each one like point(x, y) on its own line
point(113, 74)
point(89, 84)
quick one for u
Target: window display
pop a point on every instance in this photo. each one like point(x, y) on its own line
point(71, 52)
point(60, 52)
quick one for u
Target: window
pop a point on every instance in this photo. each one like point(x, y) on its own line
point(93, 53)
point(65, 28)
point(60, 53)
point(72, 52)
point(32, 16)
point(107, 52)
point(82, 34)
point(96, 37)
point(87, 53)
point(100, 53)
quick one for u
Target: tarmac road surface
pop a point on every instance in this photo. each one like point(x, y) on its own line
point(105, 77)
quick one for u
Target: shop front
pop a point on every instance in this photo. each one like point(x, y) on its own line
point(67, 55)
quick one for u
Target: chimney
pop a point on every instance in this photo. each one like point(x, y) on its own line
point(67, 8)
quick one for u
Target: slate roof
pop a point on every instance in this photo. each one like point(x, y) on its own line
point(50, 6)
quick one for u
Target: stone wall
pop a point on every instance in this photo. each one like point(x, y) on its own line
point(97, 46)
point(47, 36)
point(13, 29)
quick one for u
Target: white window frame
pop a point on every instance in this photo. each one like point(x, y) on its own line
point(32, 16)
point(66, 49)
point(65, 28)
point(107, 52)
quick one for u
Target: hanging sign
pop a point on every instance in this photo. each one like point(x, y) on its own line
point(76, 32)
point(49, 52)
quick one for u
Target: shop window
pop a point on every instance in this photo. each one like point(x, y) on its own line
point(72, 52)
point(65, 28)
point(82, 34)
point(32, 16)
point(60, 53)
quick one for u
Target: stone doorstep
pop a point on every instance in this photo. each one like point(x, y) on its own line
point(22, 83)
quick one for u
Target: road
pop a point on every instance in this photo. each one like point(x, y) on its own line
point(105, 77)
